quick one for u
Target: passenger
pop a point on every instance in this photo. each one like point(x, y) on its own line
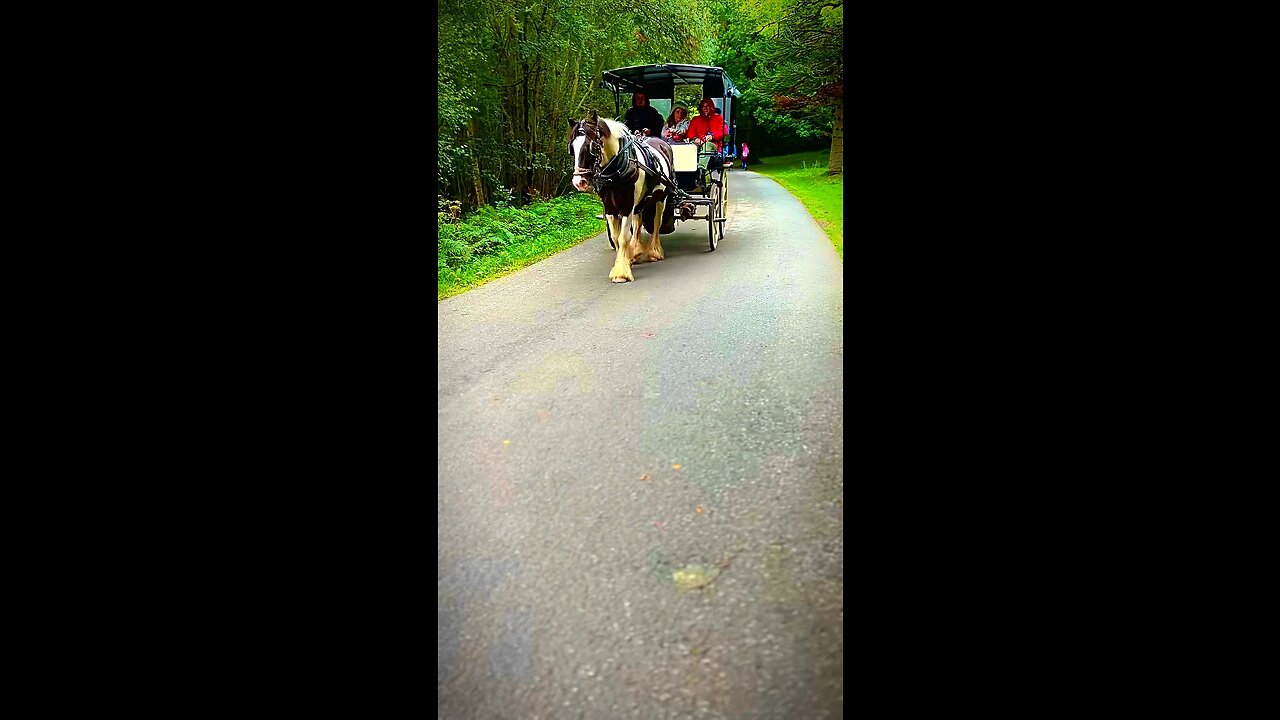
point(707, 129)
point(677, 125)
point(642, 116)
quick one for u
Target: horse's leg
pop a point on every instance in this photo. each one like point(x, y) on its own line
point(615, 228)
point(637, 235)
point(644, 253)
point(638, 249)
point(654, 253)
point(621, 271)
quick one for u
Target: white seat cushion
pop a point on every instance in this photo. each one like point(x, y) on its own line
point(685, 157)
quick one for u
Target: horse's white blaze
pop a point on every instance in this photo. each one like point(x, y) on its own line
point(578, 181)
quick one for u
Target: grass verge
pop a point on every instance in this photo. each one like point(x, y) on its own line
point(496, 241)
point(805, 176)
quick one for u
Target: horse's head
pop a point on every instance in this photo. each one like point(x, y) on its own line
point(586, 147)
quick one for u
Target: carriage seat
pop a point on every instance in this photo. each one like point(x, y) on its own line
point(684, 157)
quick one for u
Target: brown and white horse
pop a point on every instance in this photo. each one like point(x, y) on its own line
point(607, 159)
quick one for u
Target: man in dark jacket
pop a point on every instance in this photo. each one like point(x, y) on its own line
point(642, 116)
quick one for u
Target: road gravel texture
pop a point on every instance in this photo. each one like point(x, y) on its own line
point(640, 486)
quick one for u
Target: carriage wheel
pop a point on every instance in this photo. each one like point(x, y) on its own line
point(724, 198)
point(713, 238)
point(725, 195)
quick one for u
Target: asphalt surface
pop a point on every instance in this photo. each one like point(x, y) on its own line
point(640, 486)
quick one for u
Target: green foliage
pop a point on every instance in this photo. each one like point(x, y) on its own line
point(493, 241)
point(791, 129)
point(787, 57)
point(802, 60)
point(511, 75)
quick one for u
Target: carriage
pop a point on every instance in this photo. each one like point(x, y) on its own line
point(701, 191)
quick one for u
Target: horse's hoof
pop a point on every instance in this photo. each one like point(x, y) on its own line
point(655, 257)
point(621, 279)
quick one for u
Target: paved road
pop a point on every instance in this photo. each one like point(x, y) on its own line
point(640, 486)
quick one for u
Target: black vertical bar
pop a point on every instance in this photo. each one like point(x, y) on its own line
point(724, 101)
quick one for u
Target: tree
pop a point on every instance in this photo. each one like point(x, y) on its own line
point(787, 58)
point(511, 74)
point(801, 64)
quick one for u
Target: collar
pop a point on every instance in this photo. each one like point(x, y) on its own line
point(619, 167)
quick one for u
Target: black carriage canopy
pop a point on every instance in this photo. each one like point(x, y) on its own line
point(659, 80)
point(658, 83)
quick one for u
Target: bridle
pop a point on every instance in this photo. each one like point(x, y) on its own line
point(595, 150)
point(620, 168)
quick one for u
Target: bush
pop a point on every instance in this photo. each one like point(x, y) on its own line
point(491, 228)
point(495, 239)
point(453, 249)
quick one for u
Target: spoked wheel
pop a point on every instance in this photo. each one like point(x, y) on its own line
point(713, 237)
point(724, 202)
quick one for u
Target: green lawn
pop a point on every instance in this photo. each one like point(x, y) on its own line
point(492, 241)
point(805, 176)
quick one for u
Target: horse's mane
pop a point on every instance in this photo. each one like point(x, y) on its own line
point(615, 127)
point(616, 131)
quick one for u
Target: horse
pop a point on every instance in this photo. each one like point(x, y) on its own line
point(609, 160)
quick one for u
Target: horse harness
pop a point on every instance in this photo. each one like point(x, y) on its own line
point(621, 168)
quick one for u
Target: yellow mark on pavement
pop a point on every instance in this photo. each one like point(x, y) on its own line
point(554, 368)
point(693, 577)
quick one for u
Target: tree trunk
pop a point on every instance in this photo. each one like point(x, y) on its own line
point(835, 165)
point(531, 142)
point(478, 185)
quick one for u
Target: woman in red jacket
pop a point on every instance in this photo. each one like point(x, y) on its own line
point(707, 129)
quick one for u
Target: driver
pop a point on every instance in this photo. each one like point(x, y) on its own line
point(643, 116)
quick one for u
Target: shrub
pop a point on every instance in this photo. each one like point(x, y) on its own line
point(494, 239)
